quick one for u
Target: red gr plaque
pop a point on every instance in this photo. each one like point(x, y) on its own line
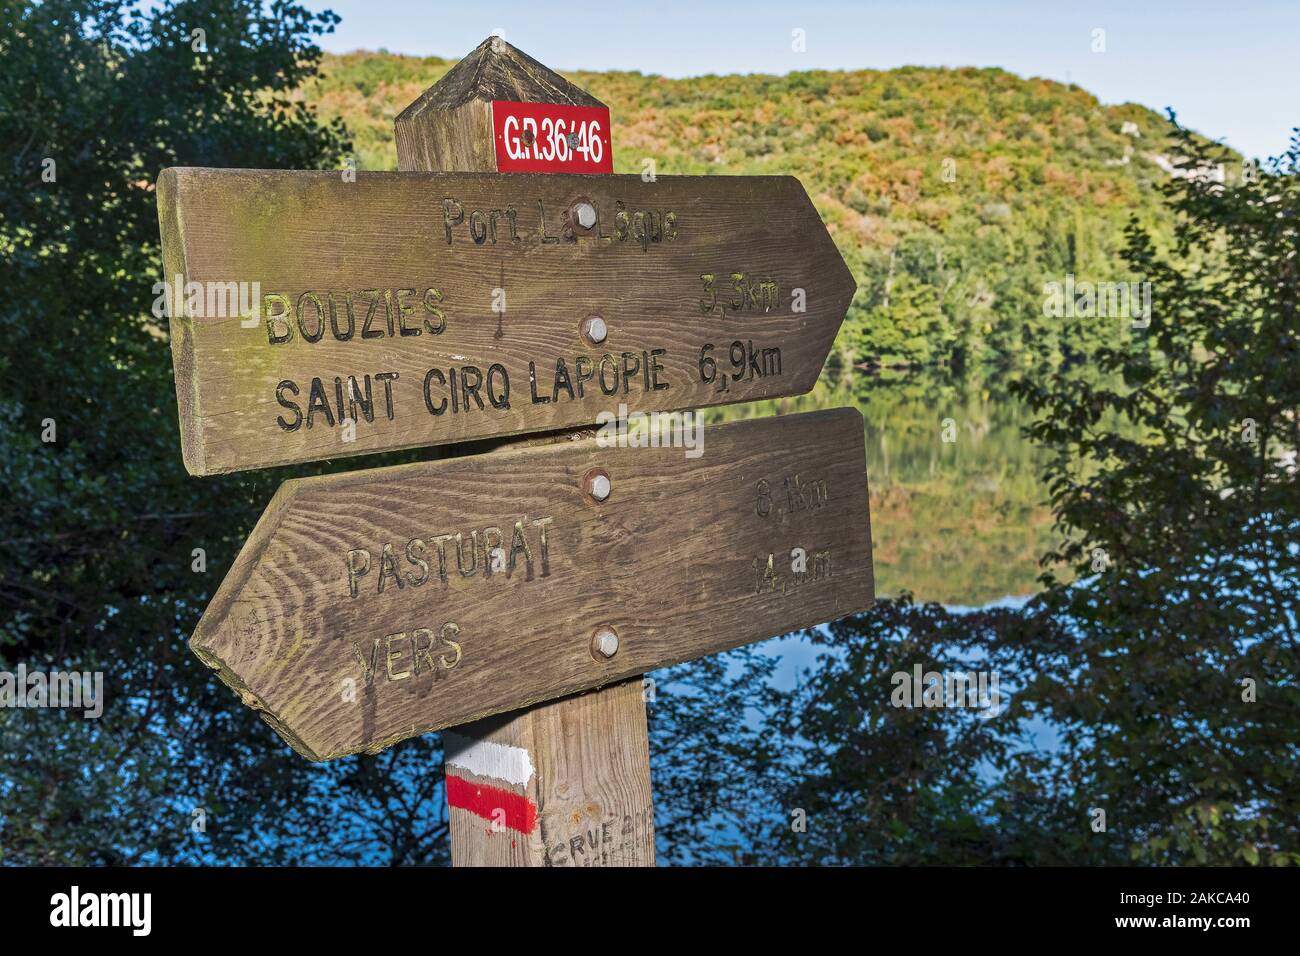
point(551, 138)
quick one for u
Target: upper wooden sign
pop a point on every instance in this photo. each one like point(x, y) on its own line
point(317, 315)
point(372, 606)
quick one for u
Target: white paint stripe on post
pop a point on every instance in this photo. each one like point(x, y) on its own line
point(485, 758)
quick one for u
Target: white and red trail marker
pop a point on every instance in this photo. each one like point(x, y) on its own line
point(505, 766)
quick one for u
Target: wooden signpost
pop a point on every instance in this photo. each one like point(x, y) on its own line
point(582, 761)
point(422, 308)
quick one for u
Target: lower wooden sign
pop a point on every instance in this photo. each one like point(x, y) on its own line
point(373, 606)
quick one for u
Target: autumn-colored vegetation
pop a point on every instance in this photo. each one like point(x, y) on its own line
point(954, 194)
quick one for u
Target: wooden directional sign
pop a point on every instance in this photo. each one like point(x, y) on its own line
point(405, 309)
point(373, 606)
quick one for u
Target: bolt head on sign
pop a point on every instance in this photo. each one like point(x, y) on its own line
point(594, 329)
point(605, 642)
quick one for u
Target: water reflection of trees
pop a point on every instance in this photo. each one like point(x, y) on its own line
point(962, 521)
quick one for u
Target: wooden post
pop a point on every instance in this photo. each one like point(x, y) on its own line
point(566, 782)
point(590, 783)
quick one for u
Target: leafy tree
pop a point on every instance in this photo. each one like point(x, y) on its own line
point(710, 760)
point(883, 784)
point(1161, 686)
point(98, 564)
point(1174, 479)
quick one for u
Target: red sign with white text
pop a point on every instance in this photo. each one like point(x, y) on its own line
point(551, 138)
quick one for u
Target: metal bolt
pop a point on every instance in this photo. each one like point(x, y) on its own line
point(594, 329)
point(604, 642)
point(598, 486)
point(584, 214)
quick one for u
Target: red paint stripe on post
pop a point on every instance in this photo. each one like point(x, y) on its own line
point(484, 801)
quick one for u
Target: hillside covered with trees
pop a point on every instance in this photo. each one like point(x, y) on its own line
point(954, 194)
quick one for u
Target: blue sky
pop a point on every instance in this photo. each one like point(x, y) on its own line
point(1231, 70)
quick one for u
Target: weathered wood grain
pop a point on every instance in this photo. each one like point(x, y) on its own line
point(319, 242)
point(686, 557)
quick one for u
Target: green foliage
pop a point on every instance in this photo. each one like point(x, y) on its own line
point(1161, 687)
point(1189, 523)
point(888, 785)
point(708, 766)
point(96, 563)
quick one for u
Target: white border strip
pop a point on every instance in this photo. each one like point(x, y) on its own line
point(484, 758)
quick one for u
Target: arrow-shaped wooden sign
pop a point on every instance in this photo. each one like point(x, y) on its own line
point(372, 606)
point(317, 315)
